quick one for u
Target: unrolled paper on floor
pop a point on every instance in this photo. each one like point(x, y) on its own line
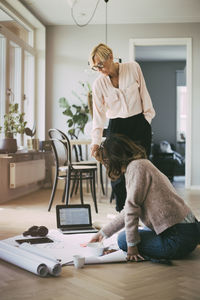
point(48, 258)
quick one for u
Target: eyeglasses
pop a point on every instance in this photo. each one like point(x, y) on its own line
point(98, 66)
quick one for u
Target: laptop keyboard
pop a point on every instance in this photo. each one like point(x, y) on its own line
point(77, 228)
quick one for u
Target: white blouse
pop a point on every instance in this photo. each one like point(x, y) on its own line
point(131, 98)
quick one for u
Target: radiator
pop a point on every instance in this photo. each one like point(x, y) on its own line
point(26, 172)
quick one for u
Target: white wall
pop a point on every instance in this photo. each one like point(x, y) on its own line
point(68, 49)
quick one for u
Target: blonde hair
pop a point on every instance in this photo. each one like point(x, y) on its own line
point(102, 51)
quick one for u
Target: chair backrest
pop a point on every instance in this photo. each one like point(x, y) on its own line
point(78, 153)
point(61, 147)
point(55, 133)
point(62, 153)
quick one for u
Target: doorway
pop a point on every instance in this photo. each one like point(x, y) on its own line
point(155, 48)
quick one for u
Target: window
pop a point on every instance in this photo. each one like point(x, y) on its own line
point(29, 107)
point(15, 73)
point(17, 83)
point(19, 29)
point(181, 96)
point(2, 77)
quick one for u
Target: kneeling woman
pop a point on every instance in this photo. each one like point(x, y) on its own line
point(171, 230)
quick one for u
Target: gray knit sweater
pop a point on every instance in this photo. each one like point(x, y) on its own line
point(150, 198)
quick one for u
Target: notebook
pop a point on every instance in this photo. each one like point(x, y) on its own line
point(74, 219)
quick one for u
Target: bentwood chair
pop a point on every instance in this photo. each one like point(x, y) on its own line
point(78, 158)
point(66, 170)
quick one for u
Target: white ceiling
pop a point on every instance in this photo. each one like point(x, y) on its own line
point(58, 12)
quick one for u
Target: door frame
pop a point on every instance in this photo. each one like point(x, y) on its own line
point(175, 42)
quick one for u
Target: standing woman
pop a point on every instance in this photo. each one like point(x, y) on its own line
point(120, 94)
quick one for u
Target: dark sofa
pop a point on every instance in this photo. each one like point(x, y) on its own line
point(167, 160)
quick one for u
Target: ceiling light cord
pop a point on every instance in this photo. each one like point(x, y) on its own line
point(90, 19)
point(106, 22)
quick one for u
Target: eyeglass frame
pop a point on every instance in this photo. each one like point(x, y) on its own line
point(98, 66)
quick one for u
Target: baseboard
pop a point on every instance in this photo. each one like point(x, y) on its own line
point(194, 187)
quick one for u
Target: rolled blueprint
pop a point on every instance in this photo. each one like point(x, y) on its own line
point(23, 262)
point(29, 261)
point(52, 263)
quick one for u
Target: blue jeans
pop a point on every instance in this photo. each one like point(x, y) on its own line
point(174, 243)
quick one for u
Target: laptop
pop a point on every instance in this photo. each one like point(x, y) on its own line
point(74, 219)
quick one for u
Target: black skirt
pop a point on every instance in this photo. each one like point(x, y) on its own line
point(135, 127)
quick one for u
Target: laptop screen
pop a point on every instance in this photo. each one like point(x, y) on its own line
point(73, 216)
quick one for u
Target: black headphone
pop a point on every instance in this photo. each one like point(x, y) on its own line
point(36, 231)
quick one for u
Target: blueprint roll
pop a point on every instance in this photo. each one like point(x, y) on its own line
point(38, 251)
point(29, 261)
point(23, 262)
point(52, 263)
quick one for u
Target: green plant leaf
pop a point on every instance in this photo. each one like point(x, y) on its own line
point(78, 108)
point(70, 122)
point(14, 121)
point(78, 114)
point(63, 103)
point(71, 131)
point(68, 112)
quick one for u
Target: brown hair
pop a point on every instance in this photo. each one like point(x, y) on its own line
point(102, 51)
point(116, 152)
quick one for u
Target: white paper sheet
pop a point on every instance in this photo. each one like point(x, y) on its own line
point(43, 259)
point(65, 246)
point(117, 256)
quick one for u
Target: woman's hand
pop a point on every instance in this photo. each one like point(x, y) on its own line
point(94, 149)
point(133, 254)
point(98, 237)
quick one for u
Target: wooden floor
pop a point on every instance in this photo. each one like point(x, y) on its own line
point(129, 281)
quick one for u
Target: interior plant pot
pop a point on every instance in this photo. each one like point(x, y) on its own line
point(33, 144)
point(8, 145)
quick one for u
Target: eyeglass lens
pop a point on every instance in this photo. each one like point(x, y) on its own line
point(98, 66)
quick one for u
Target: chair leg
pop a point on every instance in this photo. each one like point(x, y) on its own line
point(101, 179)
point(93, 191)
point(77, 185)
point(67, 187)
point(64, 191)
point(73, 186)
point(91, 188)
point(53, 192)
point(81, 188)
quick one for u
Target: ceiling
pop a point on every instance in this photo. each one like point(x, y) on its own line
point(58, 12)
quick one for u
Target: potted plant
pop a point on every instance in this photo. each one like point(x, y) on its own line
point(78, 114)
point(13, 123)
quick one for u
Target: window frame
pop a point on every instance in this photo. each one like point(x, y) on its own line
point(179, 116)
point(10, 38)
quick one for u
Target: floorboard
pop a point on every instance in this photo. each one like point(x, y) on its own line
point(121, 281)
